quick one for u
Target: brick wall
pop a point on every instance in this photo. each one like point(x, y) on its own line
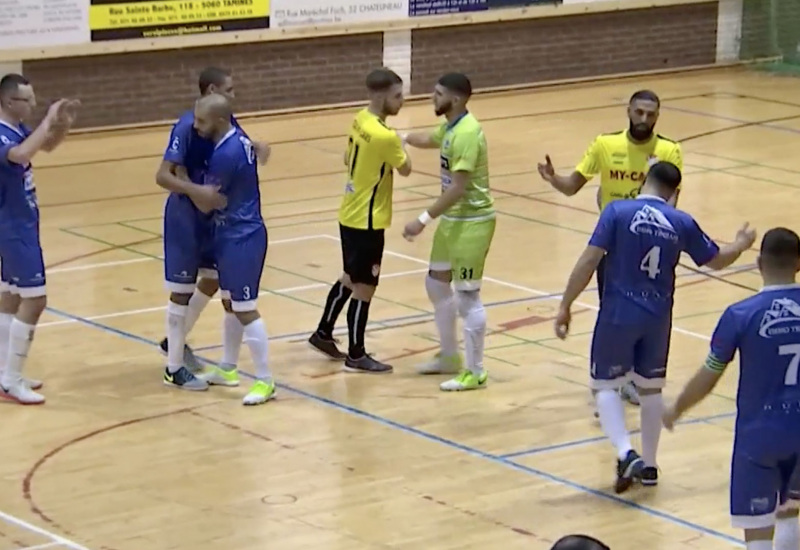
point(142, 87)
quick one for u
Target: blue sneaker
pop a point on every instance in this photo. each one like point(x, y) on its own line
point(184, 380)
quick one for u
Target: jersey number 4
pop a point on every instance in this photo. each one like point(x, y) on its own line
point(794, 363)
point(651, 261)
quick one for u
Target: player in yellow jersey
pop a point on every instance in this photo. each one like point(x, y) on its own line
point(463, 234)
point(622, 159)
point(374, 152)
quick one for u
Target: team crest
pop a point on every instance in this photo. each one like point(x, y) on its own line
point(648, 219)
point(781, 318)
point(376, 269)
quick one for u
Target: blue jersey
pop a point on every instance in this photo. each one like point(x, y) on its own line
point(19, 209)
point(765, 329)
point(643, 239)
point(188, 149)
point(233, 168)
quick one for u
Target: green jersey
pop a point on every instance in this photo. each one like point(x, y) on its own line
point(463, 149)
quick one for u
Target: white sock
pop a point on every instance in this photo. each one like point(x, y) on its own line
point(612, 420)
point(255, 336)
point(19, 342)
point(444, 314)
point(787, 534)
point(652, 408)
point(759, 545)
point(197, 303)
point(232, 334)
point(176, 335)
point(5, 334)
point(472, 311)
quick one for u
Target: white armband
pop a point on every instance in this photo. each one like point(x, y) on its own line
point(425, 218)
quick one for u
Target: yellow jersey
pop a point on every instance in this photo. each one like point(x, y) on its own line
point(373, 152)
point(623, 165)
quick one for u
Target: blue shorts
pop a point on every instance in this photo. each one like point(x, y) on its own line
point(188, 245)
point(630, 352)
point(22, 265)
point(240, 261)
point(765, 474)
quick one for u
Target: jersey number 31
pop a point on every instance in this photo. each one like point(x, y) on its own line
point(651, 261)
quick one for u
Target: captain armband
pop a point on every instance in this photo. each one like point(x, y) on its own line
point(714, 364)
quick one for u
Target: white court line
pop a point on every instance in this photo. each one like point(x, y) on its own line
point(527, 289)
point(39, 531)
point(287, 290)
point(41, 546)
point(85, 267)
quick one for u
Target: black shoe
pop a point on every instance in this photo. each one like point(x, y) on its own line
point(628, 471)
point(650, 476)
point(367, 364)
point(326, 346)
point(189, 358)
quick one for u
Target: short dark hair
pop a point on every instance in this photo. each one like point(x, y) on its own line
point(780, 248)
point(457, 82)
point(382, 79)
point(579, 542)
point(211, 75)
point(645, 95)
point(11, 82)
point(665, 174)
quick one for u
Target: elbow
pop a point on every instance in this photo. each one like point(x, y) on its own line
point(161, 179)
point(17, 155)
point(718, 262)
point(405, 170)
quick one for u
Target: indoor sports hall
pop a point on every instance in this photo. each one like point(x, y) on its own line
point(116, 461)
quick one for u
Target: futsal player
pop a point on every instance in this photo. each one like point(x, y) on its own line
point(23, 292)
point(463, 235)
point(374, 152)
point(622, 159)
point(642, 240)
point(188, 242)
point(240, 236)
point(579, 542)
point(765, 330)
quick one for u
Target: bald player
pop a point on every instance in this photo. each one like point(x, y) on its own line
point(622, 159)
point(240, 236)
point(579, 542)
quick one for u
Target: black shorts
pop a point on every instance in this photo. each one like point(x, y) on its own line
point(362, 252)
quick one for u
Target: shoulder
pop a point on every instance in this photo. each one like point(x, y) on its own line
point(184, 124)
point(611, 138)
point(666, 144)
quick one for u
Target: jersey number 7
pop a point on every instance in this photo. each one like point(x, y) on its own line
point(794, 363)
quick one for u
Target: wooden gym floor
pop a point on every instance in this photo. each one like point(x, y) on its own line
point(116, 461)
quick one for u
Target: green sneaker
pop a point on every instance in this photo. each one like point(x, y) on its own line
point(220, 376)
point(441, 364)
point(466, 380)
point(260, 393)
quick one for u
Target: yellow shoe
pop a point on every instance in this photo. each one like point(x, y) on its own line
point(441, 364)
point(260, 393)
point(218, 376)
point(466, 380)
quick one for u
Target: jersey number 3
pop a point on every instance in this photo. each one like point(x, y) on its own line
point(651, 261)
point(794, 363)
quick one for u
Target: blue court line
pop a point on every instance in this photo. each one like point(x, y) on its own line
point(399, 322)
point(590, 440)
point(447, 442)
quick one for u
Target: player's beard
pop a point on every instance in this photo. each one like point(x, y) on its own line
point(641, 131)
point(443, 108)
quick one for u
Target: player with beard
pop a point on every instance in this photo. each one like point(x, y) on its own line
point(622, 159)
point(374, 151)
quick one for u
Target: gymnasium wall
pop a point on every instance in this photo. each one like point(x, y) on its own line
point(497, 48)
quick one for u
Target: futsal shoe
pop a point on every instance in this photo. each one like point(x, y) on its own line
point(628, 470)
point(184, 380)
point(326, 346)
point(441, 364)
point(22, 394)
point(366, 363)
point(260, 392)
point(32, 383)
point(224, 375)
point(466, 381)
point(650, 476)
point(189, 358)
point(629, 393)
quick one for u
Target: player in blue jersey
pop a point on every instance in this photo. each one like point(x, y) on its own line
point(765, 330)
point(188, 241)
point(642, 239)
point(240, 236)
point(23, 287)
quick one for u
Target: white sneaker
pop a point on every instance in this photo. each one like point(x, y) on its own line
point(32, 383)
point(441, 364)
point(22, 394)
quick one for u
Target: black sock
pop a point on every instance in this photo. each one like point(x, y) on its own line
point(337, 298)
point(357, 315)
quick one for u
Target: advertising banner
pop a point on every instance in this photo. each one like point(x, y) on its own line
point(438, 7)
point(118, 19)
point(42, 23)
point(309, 13)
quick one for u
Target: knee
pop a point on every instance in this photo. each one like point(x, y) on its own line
point(363, 292)
point(345, 280)
point(9, 303)
point(36, 305)
point(471, 308)
point(438, 290)
point(441, 276)
point(180, 299)
point(208, 286)
point(227, 306)
point(648, 391)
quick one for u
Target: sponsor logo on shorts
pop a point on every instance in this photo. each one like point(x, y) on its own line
point(376, 269)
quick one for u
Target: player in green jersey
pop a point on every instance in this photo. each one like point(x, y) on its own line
point(463, 235)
